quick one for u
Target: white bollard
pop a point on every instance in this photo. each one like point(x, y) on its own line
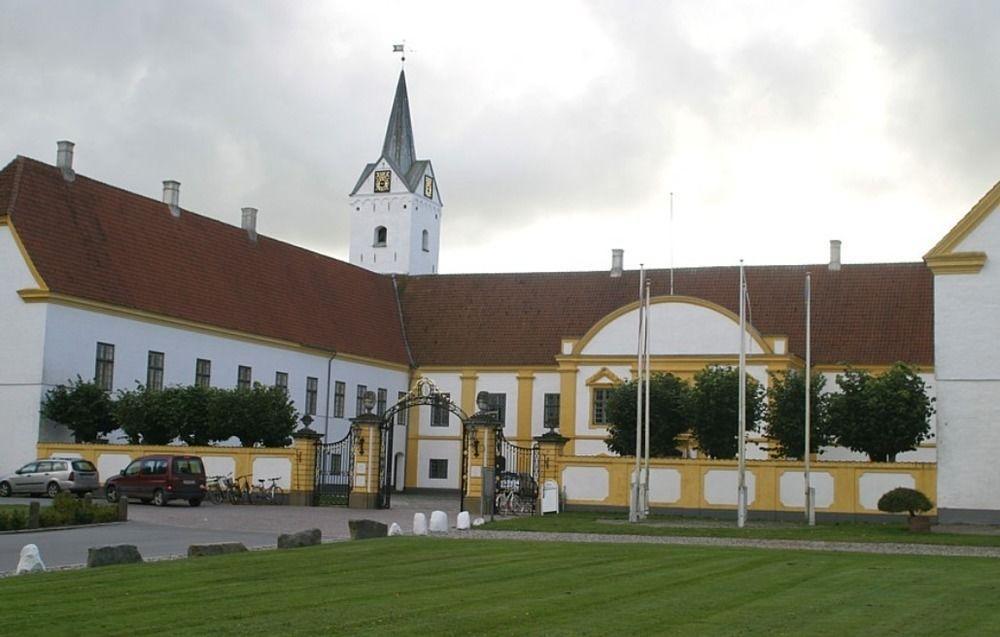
point(439, 522)
point(419, 524)
point(395, 530)
point(31, 560)
point(462, 524)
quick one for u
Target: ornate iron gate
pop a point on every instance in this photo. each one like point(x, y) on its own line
point(334, 471)
point(385, 465)
point(517, 472)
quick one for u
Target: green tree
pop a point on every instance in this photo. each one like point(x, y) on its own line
point(148, 417)
point(194, 406)
point(260, 415)
point(786, 414)
point(83, 407)
point(881, 415)
point(715, 409)
point(668, 399)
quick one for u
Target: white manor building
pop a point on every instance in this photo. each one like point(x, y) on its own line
point(104, 283)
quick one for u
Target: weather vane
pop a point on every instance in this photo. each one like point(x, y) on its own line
point(401, 49)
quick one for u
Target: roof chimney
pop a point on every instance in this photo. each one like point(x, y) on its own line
point(64, 159)
point(250, 222)
point(172, 196)
point(834, 255)
point(617, 256)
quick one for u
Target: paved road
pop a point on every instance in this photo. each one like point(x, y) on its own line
point(160, 532)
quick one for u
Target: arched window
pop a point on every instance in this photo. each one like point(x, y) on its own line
point(425, 242)
point(380, 236)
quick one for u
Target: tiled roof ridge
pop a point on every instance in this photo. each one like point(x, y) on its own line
point(15, 182)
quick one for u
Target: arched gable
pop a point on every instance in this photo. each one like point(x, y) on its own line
point(679, 326)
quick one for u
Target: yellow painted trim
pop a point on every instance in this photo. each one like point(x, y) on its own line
point(668, 362)
point(966, 224)
point(468, 378)
point(872, 369)
point(482, 369)
point(6, 221)
point(956, 263)
point(604, 374)
point(425, 437)
point(567, 404)
point(689, 300)
point(45, 296)
point(525, 390)
point(412, 447)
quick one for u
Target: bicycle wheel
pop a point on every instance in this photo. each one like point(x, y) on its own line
point(499, 504)
point(217, 496)
point(234, 494)
point(277, 495)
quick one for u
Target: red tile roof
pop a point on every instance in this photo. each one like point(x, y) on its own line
point(98, 242)
point(863, 314)
point(91, 240)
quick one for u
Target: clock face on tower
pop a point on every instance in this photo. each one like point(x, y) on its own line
point(428, 186)
point(383, 180)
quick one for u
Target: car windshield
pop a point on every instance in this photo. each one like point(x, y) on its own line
point(188, 465)
point(84, 465)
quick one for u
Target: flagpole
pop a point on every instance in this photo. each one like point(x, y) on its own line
point(741, 492)
point(809, 494)
point(633, 513)
point(645, 479)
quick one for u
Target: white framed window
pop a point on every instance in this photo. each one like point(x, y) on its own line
point(281, 380)
point(203, 372)
point(154, 371)
point(438, 469)
point(244, 377)
point(339, 391)
point(425, 241)
point(104, 370)
point(381, 237)
point(312, 391)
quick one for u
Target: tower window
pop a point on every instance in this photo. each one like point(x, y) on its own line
point(425, 242)
point(380, 237)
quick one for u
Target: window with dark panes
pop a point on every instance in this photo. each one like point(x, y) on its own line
point(401, 414)
point(339, 391)
point(244, 376)
point(281, 380)
point(439, 412)
point(438, 469)
point(383, 398)
point(600, 411)
point(104, 372)
point(550, 417)
point(154, 371)
point(203, 372)
point(312, 391)
point(360, 407)
point(498, 406)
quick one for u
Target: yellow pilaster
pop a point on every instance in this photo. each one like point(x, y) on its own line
point(412, 446)
point(525, 387)
point(304, 468)
point(567, 403)
point(481, 456)
point(468, 402)
point(367, 451)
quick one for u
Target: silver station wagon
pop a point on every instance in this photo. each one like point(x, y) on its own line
point(50, 476)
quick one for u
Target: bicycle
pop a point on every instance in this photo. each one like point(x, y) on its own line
point(218, 488)
point(242, 491)
point(272, 494)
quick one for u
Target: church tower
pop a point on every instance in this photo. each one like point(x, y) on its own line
point(396, 206)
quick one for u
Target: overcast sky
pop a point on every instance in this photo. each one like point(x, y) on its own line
point(557, 129)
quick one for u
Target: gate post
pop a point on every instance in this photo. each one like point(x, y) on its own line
point(480, 458)
point(550, 449)
point(367, 453)
point(304, 442)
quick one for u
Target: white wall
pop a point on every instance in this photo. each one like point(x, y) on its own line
point(967, 365)
point(72, 334)
point(21, 343)
point(676, 328)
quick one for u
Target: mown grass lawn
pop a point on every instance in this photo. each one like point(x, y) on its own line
point(611, 523)
point(434, 586)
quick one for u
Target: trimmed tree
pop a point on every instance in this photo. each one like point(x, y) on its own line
point(668, 399)
point(83, 407)
point(882, 415)
point(194, 406)
point(786, 414)
point(149, 417)
point(260, 415)
point(715, 409)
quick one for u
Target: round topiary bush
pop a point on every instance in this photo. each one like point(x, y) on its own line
point(902, 499)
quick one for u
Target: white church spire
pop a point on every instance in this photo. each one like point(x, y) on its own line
point(395, 205)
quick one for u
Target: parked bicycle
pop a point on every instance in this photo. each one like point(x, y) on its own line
point(220, 488)
point(242, 491)
point(515, 494)
point(272, 494)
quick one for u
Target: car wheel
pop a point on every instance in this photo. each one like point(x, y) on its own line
point(52, 490)
point(195, 502)
point(159, 499)
point(5, 490)
point(111, 493)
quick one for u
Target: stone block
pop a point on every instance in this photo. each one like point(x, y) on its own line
point(439, 522)
point(478, 522)
point(311, 537)
point(367, 529)
point(419, 524)
point(31, 560)
point(395, 529)
point(462, 523)
point(223, 548)
point(108, 555)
